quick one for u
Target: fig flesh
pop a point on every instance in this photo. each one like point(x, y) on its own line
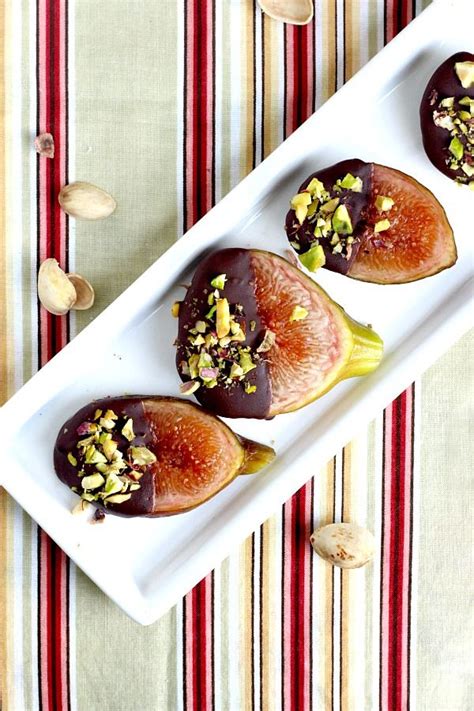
point(394, 229)
point(447, 118)
point(294, 343)
point(151, 456)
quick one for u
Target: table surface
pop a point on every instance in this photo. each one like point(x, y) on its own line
point(167, 105)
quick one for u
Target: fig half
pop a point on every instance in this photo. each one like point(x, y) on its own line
point(151, 456)
point(371, 223)
point(258, 338)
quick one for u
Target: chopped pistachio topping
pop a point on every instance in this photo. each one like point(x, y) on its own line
point(268, 342)
point(94, 481)
point(97, 414)
point(219, 281)
point(253, 325)
point(465, 72)
point(381, 226)
point(117, 498)
point(175, 309)
point(94, 456)
point(327, 208)
point(349, 182)
point(299, 313)
point(109, 447)
point(299, 204)
point(316, 189)
point(341, 221)
point(222, 318)
point(127, 430)
point(314, 258)
point(457, 117)
point(383, 203)
point(249, 389)
point(142, 456)
point(456, 148)
point(113, 485)
point(72, 459)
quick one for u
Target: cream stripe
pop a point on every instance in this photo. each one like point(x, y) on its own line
point(180, 117)
point(235, 616)
point(340, 42)
point(256, 619)
point(218, 104)
point(34, 618)
point(17, 605)
point(72, 637)
point(415, 568)
point(337, 591)
point(179, 656)
point(377, 531)
point(217, 626)
point(235, 89)
point(319, 39)
point(258, 86)
point(14, 184)
point(32, 187)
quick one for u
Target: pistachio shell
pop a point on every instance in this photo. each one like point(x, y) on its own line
point(86, 201)
point(84, 292)
point(346, 545)
point(294, 12)
point(55, 291)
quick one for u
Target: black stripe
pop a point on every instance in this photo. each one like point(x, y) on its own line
point(262, 139)
point(254, 85)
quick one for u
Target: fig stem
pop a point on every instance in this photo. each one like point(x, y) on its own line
point(257, 456)
point(366, 353)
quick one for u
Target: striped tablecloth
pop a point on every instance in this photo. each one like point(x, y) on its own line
point(168, 104)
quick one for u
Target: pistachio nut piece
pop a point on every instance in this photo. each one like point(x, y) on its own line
point(85, 294)
point(55, 291)
point(86, 201)
point(345, 545)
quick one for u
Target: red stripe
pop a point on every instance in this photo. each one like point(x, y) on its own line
point(396, 553)
point(53, 334)
point(299, 75)
point(198, 199)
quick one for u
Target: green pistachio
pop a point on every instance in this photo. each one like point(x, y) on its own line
point(175, 309)
point(314, 258)
point(328, 207)
point(299, 203)
point(456, 148)
point(316, 188)
point(468, 169)
point(349, 182)
point(93, 456)
point(118, 498)
point(93, 481)
point(465, 72)
point(236, 371)
point(201, 326)
point(142, 456)
point(447, 103)
point(109, 448)
point(249, 389)
point(193, 363)
point(245, 362)
point(383, 203)
point(381, 225)
point(341, 221)
point(72, 459)
point(127, 430)
point(299, 313)
point(113, 485)
point(97, 414)
point(219, 281)
point(198, 341)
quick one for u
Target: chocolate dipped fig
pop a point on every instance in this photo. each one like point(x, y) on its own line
point(447, 118)
point(371, 223)
point(258, 338)
point(151, 456)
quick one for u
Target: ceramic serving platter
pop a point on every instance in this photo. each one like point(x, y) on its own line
point(146, 565)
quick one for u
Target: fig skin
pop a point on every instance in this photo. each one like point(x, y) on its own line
point(383, 258)
point(445, 83)
point(197, 454)
point(309, 356)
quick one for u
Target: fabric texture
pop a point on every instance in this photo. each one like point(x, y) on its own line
point(167, 104)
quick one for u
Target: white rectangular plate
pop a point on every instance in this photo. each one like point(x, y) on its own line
point(374, 117)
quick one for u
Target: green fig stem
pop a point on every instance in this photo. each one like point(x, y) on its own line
point(257, 456)
point(366, 353)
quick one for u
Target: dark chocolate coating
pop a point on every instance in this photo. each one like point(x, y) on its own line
point(231, 401)
point(356, 202)
point(444, 83)
point(142, 501)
